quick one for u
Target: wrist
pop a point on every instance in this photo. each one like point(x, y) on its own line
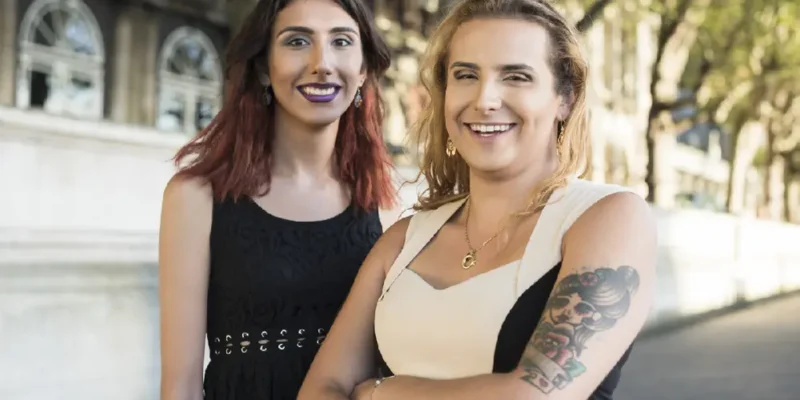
point(379, 382)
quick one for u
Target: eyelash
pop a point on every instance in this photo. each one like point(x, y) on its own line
point(513, 77)
point(293, 42)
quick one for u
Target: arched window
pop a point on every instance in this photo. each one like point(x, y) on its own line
point(61, 62)
point(190, 82)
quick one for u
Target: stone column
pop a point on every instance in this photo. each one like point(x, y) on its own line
point(8, 51)
point(135, 79)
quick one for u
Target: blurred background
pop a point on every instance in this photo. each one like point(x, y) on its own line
point(695, 104)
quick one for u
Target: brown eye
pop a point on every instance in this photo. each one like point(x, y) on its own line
point(519, 78)
point(463, 75)
point(296, 42)
point(341, 42)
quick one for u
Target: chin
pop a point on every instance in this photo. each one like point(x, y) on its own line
point(320, 118)
point(320, 122)
point(488, 166)
point(489, 163)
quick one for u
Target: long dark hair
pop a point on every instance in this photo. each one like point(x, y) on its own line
point(234, 152)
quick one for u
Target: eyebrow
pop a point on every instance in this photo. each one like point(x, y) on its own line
point(503, 68)
point(306, 30)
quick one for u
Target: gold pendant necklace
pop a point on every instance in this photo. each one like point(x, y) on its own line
point(471, 258)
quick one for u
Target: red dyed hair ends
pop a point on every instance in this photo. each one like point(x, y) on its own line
point(234, 152)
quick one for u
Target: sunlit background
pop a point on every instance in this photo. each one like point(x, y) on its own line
point(695, 105)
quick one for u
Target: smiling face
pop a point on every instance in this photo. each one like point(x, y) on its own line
point(316, 61)
point(501, 106)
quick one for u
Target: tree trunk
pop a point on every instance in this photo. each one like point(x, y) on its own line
point(769, 160)
point(675, 38)
point(593, 12)
point(733, 166)
point(650, 172)
point(788, 190)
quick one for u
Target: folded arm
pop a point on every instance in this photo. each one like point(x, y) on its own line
point(599, 304)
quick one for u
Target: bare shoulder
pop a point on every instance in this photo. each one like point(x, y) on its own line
point(186, 209)
point(601, 298)
point(187, 191)
point(618, 216)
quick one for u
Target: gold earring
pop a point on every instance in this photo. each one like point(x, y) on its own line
point(451, 148)
point(560, 138)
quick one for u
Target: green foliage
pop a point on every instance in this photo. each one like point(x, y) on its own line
point(743, 53)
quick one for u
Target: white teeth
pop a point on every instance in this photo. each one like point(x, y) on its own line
point(485, 128)
point(317, 92)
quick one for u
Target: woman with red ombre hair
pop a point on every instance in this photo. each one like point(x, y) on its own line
point(275, 205)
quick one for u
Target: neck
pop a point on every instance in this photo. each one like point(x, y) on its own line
point(301, 151)
point(493, 198)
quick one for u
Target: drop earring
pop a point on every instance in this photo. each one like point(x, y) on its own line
point(267, 95)
point(450, 149)
point(358, 100)
point(560, 138)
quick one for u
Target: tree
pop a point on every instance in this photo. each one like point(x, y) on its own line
point(594, 11)
point(679, 21)
point(752, 64)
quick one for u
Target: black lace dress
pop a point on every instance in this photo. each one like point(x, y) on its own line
point(275, 288)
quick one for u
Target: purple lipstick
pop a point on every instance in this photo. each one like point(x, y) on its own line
point(319, 92)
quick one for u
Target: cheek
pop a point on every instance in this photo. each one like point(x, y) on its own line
point(351, 62)
point(534, 100)
point(285, 66)
point(455, 102)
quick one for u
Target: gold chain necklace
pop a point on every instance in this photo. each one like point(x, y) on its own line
point(471, 259)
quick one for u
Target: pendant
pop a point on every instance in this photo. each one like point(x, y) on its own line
point(469, 260)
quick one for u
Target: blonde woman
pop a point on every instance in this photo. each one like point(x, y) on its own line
point(516, 279)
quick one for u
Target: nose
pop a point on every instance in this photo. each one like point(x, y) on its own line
point(320, 61)
point(488, 99)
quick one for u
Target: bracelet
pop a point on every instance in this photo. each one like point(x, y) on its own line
point(378, 383)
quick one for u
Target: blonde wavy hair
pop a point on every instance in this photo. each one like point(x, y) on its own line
point(448, 177)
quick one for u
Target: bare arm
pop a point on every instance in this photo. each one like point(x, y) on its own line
point(183, 260)
point(346, 357)
point(599, 304)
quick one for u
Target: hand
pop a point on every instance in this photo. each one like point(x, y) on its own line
point(363, 391)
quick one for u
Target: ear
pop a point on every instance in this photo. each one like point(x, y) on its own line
point(565, 106)
point(264, 79)
point(362, 77)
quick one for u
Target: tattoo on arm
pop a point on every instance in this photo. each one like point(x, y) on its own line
point(581, 305)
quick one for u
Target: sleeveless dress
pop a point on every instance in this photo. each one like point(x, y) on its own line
point(274, 289)
point(481, 325)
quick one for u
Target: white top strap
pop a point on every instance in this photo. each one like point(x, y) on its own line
point(567, 204)
point(422, 227)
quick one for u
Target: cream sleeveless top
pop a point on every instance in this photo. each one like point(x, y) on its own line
point(453, 332)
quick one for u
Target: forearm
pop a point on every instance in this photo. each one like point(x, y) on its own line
point(322, 392)
point(186, 389)
point(481, 387)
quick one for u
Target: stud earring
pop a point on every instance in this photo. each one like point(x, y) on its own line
point(358, 100)
point(450, 150)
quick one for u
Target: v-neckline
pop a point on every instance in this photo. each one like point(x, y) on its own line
point(446, 215)
point(463, 282)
